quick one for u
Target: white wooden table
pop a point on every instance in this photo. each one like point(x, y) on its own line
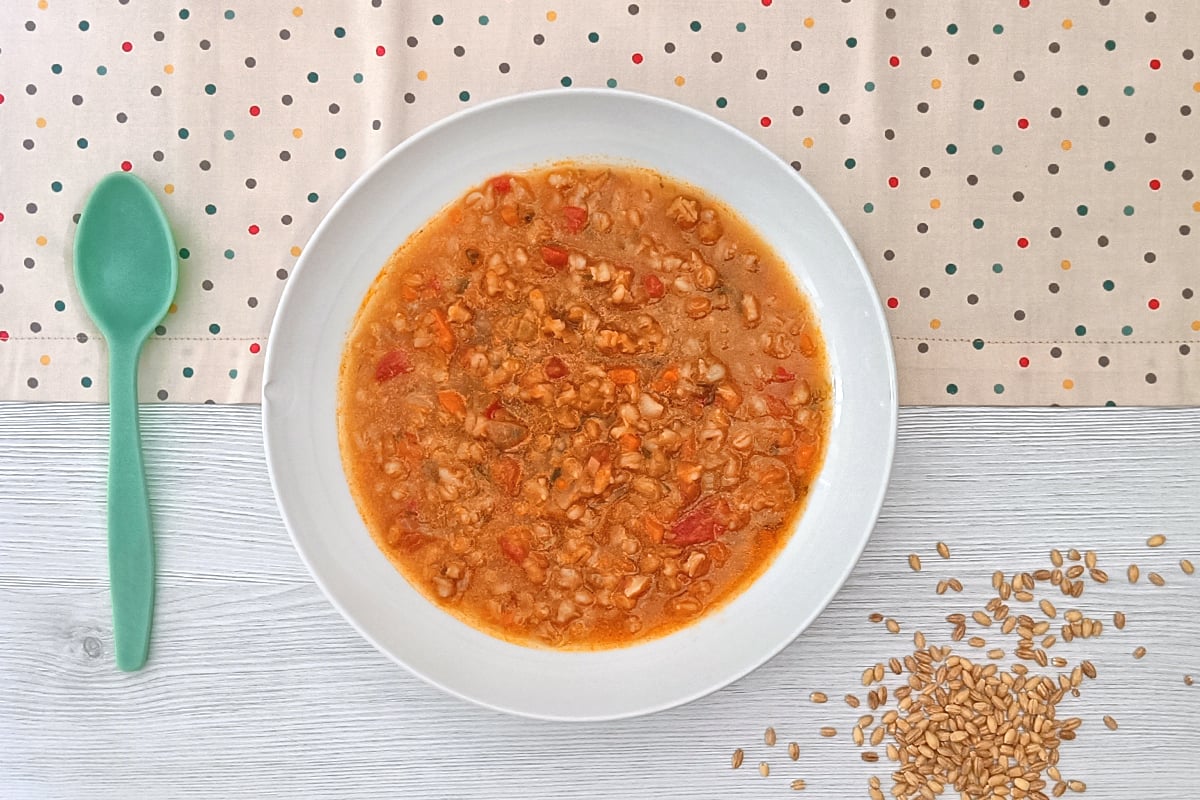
point(257, 688)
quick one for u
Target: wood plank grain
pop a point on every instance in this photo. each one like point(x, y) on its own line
point(256, 687)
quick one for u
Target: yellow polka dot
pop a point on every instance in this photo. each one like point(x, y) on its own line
point(679, 80)
point(935, 203)
point(297, 11)
point(422, 74)
point(45, 361)
point(1068, 384)
point(41, 241)
point(1066, 263)
point(1196, 324)
point(169, 188)
point(1196, 206)
point(42, 4)
point(297, 133)
point(1066, 144)
point(809, 22)
point(1067, 24)
point(936, 83)
point(172, 309)
point(551, 16)
point(1196, 86)
point(169, 69)
point(935, 323)
point(40, 122)
point(808, 142)
point(295, 251)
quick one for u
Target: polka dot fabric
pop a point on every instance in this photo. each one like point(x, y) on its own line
point(1020, 175)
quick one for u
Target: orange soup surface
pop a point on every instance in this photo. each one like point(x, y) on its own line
point(583, 406)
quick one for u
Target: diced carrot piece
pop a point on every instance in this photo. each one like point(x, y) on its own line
point(808, 345)
point(446, 339)
point(804, 456)
point(654, 529)
point(654, 287)
point(623, 376)
point(576, 218)
point(630, 442)
point(502, 184)
point(667, 380)
point(510, 216)
point(556, 368)
point(783, 376)
point(554, 256)
point(393, 363)
point(515, 544)
point(453, 402)
point(506, 473)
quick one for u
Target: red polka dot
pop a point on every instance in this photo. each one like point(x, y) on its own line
point(637, 58)
point(1155, 184)
point(765, 122)
point(379, 51)
point(1155, 63)
point(126, 166)
point(1022, 123)
point(1, 216)
point(894, 61)
point(1022, 242)
point(1, 99)
point(1023, 361)
point(892, 302)
point(253, 230)
point(893, 181)
point(128, 46)
point(3, 336)
point(1154, 304)
point(1023, 3)
point(254, 348)
point(766, 3)
point(255, 111)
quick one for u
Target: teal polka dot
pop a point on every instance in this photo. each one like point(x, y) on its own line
point(358, 77)
point(951, 388)
point(951, 269)
point(188, 372)
point(84, 24)
point(951, 149)
point(1128, 91)
point(977, 344)
point(313, 197)
point(81, 143)
point(229, 13)
point(823, 88)
point(850, 163)
point(977, 223)
point(997, 29)
point(852, 42)
point(183, 133)
point(59, 305)
point(339, 32)
point(1109, 166)
point(210, 209)
point(951, 29)
point(483, 20)
point(1081, 210)
point(184, 13)
point(210, 89)
point(1081, 90)
point(566, 80)
point(160, 330)
point(184, 253)
point(611, 83)
point(340, 153)
point(85, 382)
point(695, 26)
point(1080, 330)
point(229, 136)
point(1108, 286)
point(978, 104)
point(102, 70)
point(56, 69)
point(214, 329)
point(722, 102)
point(593, 37)
point(997, 149)
point(869, 86)
point(1126, 330)
point(464, 96)
point(1128, 211)
point(437, 19)
point(1110, 404)
point(233, 373)
point(1110, 45)
point(998, 388)
point(56, 186)
point(740, 27)
point(997, 268)
point(868, 207)
point(313, 77)
point(229, 254)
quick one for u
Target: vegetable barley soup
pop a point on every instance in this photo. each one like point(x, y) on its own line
point(582, 406)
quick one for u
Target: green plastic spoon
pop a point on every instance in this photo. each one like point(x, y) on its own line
point(126, 272)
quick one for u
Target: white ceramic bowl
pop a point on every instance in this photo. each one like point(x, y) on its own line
point(411, 184)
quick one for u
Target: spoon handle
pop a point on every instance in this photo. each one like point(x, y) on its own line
point(130, 539)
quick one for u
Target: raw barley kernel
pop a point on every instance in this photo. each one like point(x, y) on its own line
point(995, 653)
point(877, 736)
point(977, 641)
point(982, 619)
point(1048, 609)
point(955, 584)
point(738, 756)
point(942, 586)
point(798, 785)
point(1077, 786)
point(893, 626)
point(919, 640)
point(1119, 619)
point(1074, 615)
point(1157, 540)
point(828, 732)
point(769, 737)
point(876, 617)
point(818, 697)
point(1089, 559)
point(1110, 723)
point(856, 734)
point(1099, 576)
point(1139, 652)
point(1073, 554)
point(1133, 572)
point(764, 768)
point(914, 562)
point(793, 751)
point(870, 756)
point(853, 701)
point(1187, 680)
point(1056, 558)
point(1157, 579)
point(943, 550)
point(997, 579)
point(1075, 571)
point(1187, 566)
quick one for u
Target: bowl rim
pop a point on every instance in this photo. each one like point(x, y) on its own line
point(874, 505)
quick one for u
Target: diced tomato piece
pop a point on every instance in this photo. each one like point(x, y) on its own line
point(393, 363)
point(554, 256)
point(506, 473)
point(556, 368)
point(515, 544)
point(701, 524)
point(453, 402)
point(576, 218)
point(493, 409)
point(783, 376)
point(502, 184)
point(654, 286)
